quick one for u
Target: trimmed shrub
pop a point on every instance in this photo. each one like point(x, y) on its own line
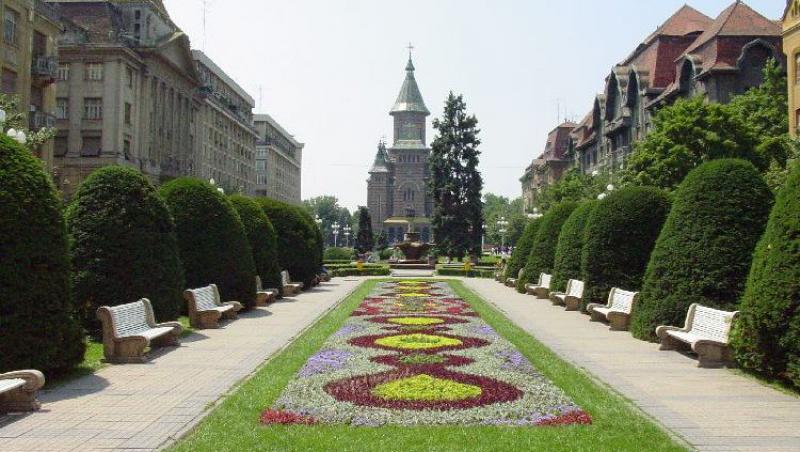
point(620, 235)
point(298, 249)
point(519, 256)
point(123, 246)
point(474, 273)
point(766, 336)
point(567, 261)
point(543, 250)
point(339, 254)
point(704, 251)
point(37, 325)
point(372, 271)
point(316, 232)
point(212, 241)
point(263, 241)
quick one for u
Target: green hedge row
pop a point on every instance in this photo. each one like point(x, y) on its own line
point(567, 261)
point(299, 242)
point(543, 249)
point(474, 273)
point(382, 271)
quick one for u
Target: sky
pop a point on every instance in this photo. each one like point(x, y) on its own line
point(330, 70)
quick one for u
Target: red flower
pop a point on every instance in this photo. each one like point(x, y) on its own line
point(273, 417)
point(571, 418)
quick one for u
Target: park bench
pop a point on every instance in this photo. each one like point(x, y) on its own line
point(264, 296)
point(206, 307)
point(128, 329)
point(542, 288)
point(290, 288)
point(617, 311)
point(512, 282)
point(706, 332)
point(18, 390)
point(571, 298)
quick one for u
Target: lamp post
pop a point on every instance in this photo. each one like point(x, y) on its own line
point(609, 189)
point(347, 230)
point(536, 214)
point(335, 229)
point(502, 225)
point(483, 237)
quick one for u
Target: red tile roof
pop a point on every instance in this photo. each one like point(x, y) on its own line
point(737, 20)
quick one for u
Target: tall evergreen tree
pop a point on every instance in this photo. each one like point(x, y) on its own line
point(456, 183)
point(365, 241)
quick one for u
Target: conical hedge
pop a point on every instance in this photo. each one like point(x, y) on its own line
point(298, 246)
point(620, 235)
point(519, 256)
point(263, 240)
point(766, 336)
point(38, 329)
point(213, 246)
point(124, 246)
point(704, 251)
point(543, 249)
point(567, 261)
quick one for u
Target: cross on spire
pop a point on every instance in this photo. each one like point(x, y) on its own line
point(410, 49)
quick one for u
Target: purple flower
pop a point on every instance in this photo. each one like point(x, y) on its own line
point(325, 361)
point(349, 329)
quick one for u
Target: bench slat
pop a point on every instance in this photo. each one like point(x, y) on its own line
point(129, 319)
point(11, 384)
point(711, 324)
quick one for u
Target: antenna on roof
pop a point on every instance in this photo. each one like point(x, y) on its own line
point(205, 20)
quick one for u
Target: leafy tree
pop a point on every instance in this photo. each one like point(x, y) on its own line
point(382, 242)
point(543, 249)
point(766, 336)
point(574, 186)
point(519, 257)
point(124, 246)
point(456, 183)
point(497, 207)
point(262, 237)
point(327, 209)
point(567, 262)
point(620, 235)
point(704, 251)
point(37, 325)
point(686, 134)
point(366, 240)
point(213, 245)
point(18, 121)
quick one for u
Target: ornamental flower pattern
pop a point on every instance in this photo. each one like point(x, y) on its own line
point(413, 353)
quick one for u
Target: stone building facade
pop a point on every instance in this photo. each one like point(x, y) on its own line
point(791, 48)
point(29, 63)
point(225, 145)
point(278, 163)
point(397, 187)
point(548, 167)
point(689, 55)
point(127, 92)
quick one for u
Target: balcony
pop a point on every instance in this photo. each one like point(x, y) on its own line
point(40, 120)
point(44, 69)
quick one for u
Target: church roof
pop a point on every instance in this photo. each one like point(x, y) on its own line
point(381, 164)
point(410, 98)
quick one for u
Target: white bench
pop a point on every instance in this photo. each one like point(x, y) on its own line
point(617, 311)
point(706, 332)
point(512, 282)
point(18, 390)
point(206, 308)
point(571, 298)
point(290, 288)
point(542, 288)
point(264, 296)
point(128, 329)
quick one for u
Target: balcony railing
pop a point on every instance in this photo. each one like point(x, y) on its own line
point(44, 67)
point(39, 120)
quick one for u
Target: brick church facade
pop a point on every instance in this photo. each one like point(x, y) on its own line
point(397, 188)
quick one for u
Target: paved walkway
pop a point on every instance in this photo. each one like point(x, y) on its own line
point(145, 406)
point(712, 409)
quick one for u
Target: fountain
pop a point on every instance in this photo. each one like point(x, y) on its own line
point(414, 250)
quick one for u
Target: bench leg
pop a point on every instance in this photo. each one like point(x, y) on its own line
point(597, 317)
point(205, 320)
point(128, 350)
point(712, 355)
point(555, 300)
point(541, 292)
point(262, 299)
point(572, 303)
point(172, 339)
point(618, 321)
point(18, 400)
point(669, 343)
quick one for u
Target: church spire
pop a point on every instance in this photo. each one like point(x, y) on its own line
point(410, 98)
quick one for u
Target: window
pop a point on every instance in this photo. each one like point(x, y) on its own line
point(62, 108)
point(63, 72)
point(91, 146)
point(797, 120)
point(60, 146)
point(128, 113)
point(94, 71)
point(10, 21)
point(129, 77)
point(9, 82)
point(797, 69)
point(126, 149)
point(93, 108)
point(261, 165)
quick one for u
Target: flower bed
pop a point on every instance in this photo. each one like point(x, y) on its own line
point(413, 353)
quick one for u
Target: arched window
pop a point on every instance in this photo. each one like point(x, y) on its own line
point(686, 82)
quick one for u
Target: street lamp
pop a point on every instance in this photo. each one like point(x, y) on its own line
point(335, 229)
point(347, 230)
point(318, 220)
point(502, 224)
point(536, 214)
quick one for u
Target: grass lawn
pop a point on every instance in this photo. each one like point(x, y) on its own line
point(234, 425)
point(93, 359)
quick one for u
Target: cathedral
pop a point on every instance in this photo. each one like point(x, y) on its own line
point(397, 188)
